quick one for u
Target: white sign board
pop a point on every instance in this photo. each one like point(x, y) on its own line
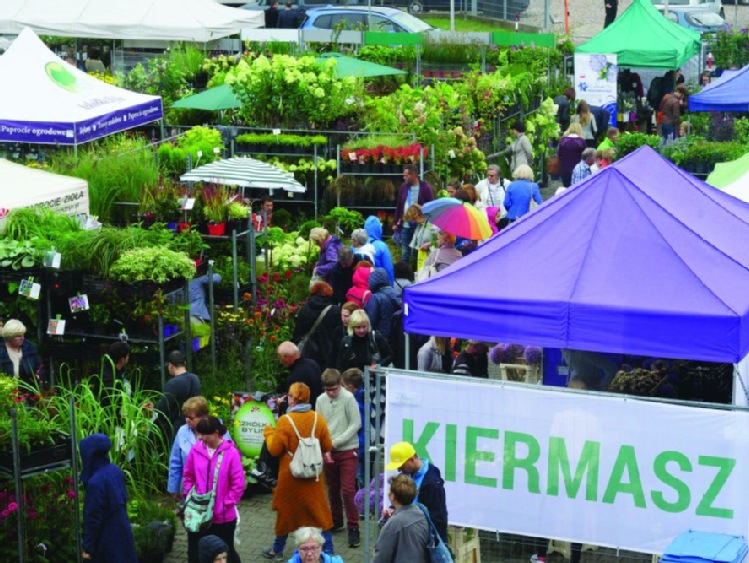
point(603, 470)
point(595, 81)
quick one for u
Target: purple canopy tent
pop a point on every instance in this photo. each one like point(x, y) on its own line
point(641, 258)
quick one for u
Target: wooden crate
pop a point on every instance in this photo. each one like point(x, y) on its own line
point(465, 544)
point(520, 372)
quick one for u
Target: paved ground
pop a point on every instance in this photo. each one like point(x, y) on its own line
point(256, 531)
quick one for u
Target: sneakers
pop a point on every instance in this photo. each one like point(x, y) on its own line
point(264, 479)
point(536, 559)
point(268, 554)
point(353, 538)
point(337, 527)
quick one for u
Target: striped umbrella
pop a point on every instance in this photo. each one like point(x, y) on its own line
point(458, 218)
point(246, 173)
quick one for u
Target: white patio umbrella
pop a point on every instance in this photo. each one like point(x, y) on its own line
point(246, 173)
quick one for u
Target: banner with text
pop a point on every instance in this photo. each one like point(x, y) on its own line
point(595, 82)
point(603, 470)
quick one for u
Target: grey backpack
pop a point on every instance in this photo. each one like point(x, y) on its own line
point(306, 462)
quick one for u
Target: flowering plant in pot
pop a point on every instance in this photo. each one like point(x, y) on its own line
point(214, 207)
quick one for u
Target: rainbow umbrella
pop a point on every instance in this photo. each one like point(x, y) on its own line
point(457, 218)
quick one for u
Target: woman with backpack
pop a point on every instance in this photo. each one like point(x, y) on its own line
point(298, 501)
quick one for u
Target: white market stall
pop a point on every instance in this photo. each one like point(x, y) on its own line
point(51, 102)
point(166, 20)
point(28, 187)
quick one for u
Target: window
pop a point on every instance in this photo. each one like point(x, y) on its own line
point(324, 22)
point(378, 23)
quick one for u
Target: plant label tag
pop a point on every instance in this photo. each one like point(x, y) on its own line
point(189, 204)
point(52, 259)
point(276, 131)
point(78, 303)
point(36, 290)
point(56, 327)
point(27, 289)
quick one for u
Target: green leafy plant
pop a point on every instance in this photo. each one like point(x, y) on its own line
point(285, 140)
point(27, 222)
point(345, 219)
point(153, 264)
point(238, 210)
point(215, 199)
point(19, 254)
point(629, 141)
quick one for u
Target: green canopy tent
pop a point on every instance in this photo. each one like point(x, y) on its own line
point(213, 99)
point(349, 66)
point(732, 177)
point(642, 38)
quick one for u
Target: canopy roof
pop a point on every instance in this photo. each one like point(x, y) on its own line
point(26, 187)
point(51, 101)
point(349, 66)
point(641, 37)
point(732, 177)
point(729, 93)
point(246, 173)
point(167, 20)
point(640, 258)
point(213, 99)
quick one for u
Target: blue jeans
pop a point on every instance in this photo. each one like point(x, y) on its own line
point(279, 543)
point(667, 132)
point(407, 235)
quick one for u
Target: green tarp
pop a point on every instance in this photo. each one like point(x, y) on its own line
point(349, 66)
point(387, 38)
point(506, 39)
point(213, 99)
point(642, 38)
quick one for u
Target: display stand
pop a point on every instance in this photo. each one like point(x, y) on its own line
point(18, 474)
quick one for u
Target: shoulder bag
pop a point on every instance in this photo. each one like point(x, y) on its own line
point(198, 514)
point(305, 339)
point(436, 548)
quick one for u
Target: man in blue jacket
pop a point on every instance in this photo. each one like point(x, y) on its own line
point(382, 256)
point(429, 482)
point(382, 304)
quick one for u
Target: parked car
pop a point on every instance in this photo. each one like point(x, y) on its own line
point(710, 5)
point(495, 9)
point(704, 21)
point(361, 17)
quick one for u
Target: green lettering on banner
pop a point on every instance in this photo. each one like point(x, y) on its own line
point(725, 466)
point(559, 462)
point(626, 460)
point(473, 455)
point(527, 464)
point(420, 445)
point(451, 451)
point(683, 494)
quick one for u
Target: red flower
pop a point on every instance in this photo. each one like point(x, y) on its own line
point(276, 277)
point(288, 274)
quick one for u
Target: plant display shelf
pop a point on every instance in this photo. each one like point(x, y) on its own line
point(55, 458)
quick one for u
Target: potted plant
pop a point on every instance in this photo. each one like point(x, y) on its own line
point(238, 214)
point(143, 269)
point(215, 209)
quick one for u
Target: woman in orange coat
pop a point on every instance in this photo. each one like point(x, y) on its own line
point(298, 502)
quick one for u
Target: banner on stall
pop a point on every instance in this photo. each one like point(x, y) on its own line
point(595, 81)
point(603, 470)
point(250, 418)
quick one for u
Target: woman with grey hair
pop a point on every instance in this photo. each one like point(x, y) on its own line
point(309, 542)
point(519, 195)
point(363, 249)
point(19, 357)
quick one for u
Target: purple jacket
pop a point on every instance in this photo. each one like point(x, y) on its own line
point(199, 470)
point(425, 194)
point(328, 257)
point(570, 152)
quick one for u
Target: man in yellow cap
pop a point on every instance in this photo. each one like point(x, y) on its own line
point(429, 482)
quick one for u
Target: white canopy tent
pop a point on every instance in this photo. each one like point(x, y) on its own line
point(45, 100)
point(166, 20)
point(27, 187)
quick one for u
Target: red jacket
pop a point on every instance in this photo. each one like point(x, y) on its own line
point(199, 469)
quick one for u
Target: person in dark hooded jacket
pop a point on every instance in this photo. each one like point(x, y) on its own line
point(383, 303)
point(382, 257)
point(107, 535)
point(318, 337)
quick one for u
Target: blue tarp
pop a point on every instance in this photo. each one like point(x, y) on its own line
point(640, 258)
point(725, 94)
point(703, 547)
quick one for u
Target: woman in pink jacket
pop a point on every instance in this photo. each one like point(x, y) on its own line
point(199, 469)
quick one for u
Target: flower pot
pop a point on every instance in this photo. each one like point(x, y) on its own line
point(172, 227)
point(216, 230)
point(236, 225)
point(182, 227)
